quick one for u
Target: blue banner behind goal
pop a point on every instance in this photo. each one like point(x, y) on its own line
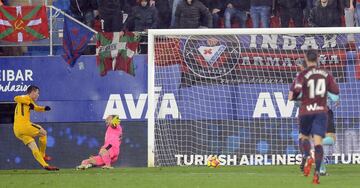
point(80, 98)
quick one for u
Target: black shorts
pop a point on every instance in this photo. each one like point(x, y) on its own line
point(330, 126)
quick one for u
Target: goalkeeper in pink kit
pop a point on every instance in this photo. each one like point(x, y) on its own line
point(109, 152)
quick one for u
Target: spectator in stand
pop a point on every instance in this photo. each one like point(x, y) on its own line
point(216, 8)
point(206, 3)
point(291, 9)
point(174, 4)
point(334, 3)
point(164, 12)
point(189, 14)
point(238, 9)
point(111, 14)
point(324, 15)
point(144, 16)
point(309, 4)
point(83, 10)
point(127, 8)
point(129, 4)
point(350, 19)
point(357, 7)
point(260, 10)
point(337, 4)
point(349, 11)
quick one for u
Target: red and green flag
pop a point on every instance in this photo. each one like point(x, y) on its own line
point(115, 51)
point(23, 23)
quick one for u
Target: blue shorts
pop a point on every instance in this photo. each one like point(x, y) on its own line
point(314, 124)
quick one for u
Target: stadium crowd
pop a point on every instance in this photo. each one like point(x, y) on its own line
point(140, 15)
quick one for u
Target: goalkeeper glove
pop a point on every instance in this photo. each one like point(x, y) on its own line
point(47, 108)
point(31, 105)
point(115, 121)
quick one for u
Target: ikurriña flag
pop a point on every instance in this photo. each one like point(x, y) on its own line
point(75, 41)
point(115, 51)
point(23, 23)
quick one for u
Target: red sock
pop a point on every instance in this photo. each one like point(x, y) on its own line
point(319, 155)
point(301, 147)
point(306, 147)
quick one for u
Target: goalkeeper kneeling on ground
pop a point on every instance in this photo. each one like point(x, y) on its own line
point(109, 152)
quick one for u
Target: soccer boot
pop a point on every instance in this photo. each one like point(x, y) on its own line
point(307, 168)
point(316, 179)
point(47, 158)
point(80, 167)
point(323, 174)
point(323, 170)
point(107, 167)
point(302, 164)
point(83, 166)
point(51, 168)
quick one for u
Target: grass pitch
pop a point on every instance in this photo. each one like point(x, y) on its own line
point(341, 176)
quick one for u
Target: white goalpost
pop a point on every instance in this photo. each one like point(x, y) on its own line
point(224, 92)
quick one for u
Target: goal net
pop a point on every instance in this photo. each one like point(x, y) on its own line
point(224, 92)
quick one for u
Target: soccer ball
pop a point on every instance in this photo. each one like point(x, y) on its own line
point(213, 162)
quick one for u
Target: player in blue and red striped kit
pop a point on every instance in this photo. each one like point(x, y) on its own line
point(313, 83)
